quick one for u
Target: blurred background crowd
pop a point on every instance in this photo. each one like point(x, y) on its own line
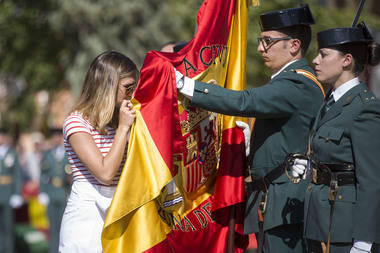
point(45, 49)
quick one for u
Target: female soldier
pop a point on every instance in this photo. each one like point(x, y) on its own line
point(342, 202)
point(95, 137)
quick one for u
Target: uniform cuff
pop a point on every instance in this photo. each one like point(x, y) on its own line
point(366, 246)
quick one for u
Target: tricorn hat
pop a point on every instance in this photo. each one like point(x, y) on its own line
point(275, 20)
point(339, 36)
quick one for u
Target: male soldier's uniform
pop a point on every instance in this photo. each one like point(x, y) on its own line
point(55, 183)
point(284, 109)
point(10, 186)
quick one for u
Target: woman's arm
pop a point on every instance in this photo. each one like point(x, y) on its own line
point(104, 168)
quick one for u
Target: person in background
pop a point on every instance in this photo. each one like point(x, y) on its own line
point(54, 184)
point(10, 191)
point(168, 47)
point(342, 203)
point(95, 137)
point(284, 109)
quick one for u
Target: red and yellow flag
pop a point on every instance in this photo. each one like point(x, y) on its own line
point(184, 167)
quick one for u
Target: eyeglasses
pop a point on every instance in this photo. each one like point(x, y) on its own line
point(130, 88)
point(267, 41)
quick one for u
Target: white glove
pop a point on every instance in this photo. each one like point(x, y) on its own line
point(184, 84)
point(179, 79)
point(43, 198)
point(16, 201)
point(247, 135)
point(361, 247)
point(299, 167)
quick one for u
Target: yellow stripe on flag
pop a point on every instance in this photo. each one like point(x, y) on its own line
point(132, 205)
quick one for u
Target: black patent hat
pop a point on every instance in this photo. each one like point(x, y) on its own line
point(275, 20)
point(339, 36)
point(55, 130)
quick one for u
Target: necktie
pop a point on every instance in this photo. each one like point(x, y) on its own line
point(328, 103)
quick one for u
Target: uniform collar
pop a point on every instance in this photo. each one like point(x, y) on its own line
point(3, 150)
point(342, 89)
point(284, 67)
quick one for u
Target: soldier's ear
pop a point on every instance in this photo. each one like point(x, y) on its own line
point(348, 61)
point(295, 46)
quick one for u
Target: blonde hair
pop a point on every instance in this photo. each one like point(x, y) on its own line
point(98, 96)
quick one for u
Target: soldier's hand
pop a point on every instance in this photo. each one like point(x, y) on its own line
point(247, 134)
point(299, 167)
point(16, 201)
point(361, 247)
point(179, 78)
point(43, 198)
point(184, 84)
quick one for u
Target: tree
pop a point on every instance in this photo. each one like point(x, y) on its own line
point(48, 44)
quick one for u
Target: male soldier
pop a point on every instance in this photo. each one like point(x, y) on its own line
point(284, 109)
point(10, 191)
point(54, 184)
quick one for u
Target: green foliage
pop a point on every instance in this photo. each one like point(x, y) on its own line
point(325, 18)
point(49, 43)
point(28, 50)
point(131, 27)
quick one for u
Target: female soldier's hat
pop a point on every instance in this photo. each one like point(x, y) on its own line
point(284, 18)
point(338, 36)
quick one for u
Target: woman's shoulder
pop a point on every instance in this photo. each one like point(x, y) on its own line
point(76, 122)
point(76, 117)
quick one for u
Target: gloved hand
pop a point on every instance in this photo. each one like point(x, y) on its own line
point(247, 135)
point(299, 167)
point(361, 247)
point(180, 79)
point(43, 198)
point(16, 201)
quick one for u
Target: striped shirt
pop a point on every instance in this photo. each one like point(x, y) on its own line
point(75, 123)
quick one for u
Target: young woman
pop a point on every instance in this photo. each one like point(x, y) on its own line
point(95, 136)
point(342, 202)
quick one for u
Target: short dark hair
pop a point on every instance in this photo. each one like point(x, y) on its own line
point(301, 32)
point(363, 54)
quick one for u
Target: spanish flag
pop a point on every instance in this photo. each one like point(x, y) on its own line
point(184, 168)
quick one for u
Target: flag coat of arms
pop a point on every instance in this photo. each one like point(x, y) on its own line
point(184, 168)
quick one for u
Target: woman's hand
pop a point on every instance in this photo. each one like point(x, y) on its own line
point(127, 114)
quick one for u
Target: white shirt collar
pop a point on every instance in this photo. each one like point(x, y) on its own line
point(3, 150)
point(278, 72)
point(342, 89)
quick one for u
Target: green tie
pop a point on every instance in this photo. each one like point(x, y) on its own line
point(328, 103)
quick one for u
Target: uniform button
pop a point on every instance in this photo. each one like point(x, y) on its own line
point(340, 197)
point(309, 188)
point(206, 91)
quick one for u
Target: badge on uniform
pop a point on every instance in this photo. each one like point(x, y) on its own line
point(9, 160)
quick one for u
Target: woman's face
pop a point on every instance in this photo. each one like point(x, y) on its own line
point(328, 65)
point(127, 85)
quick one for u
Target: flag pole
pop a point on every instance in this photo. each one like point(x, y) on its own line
point(231, 230)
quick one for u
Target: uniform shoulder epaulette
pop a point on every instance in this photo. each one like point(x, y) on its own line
point(310, 76)
point(367, 96)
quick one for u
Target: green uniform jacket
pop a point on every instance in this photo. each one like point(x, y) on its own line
point(10, 167)
point(348, 133)
point(284, 109)
point(54, 179)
